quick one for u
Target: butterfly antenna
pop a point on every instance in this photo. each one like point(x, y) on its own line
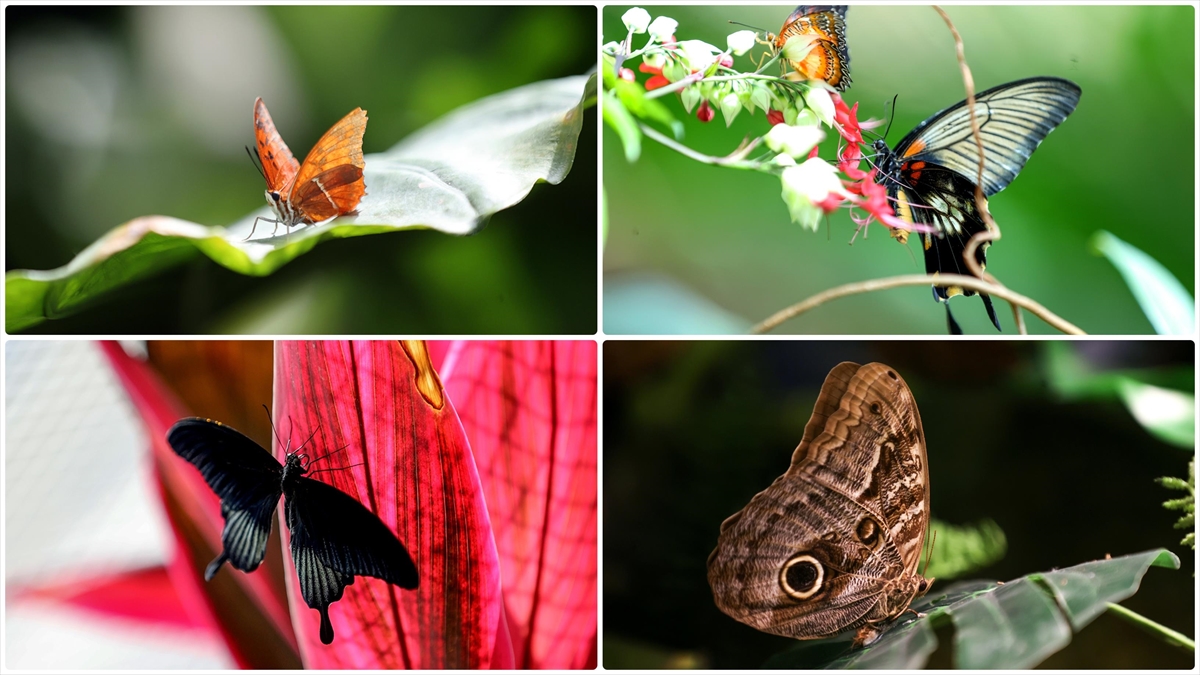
point(255, 163)
point(892, 117)
point(310, 437)
point(337, 468)
point(271, 421)
point(746, 25)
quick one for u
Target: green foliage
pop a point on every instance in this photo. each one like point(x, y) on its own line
point(1187, 503)
point(1159, 400)
point(450, 176)
point(1013, 625)
point(962, 549)
point(1167, 304)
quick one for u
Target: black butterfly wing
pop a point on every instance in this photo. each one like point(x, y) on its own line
point(246, 478)
point(1014, 118)
point(334, 539)
point(945, 201)
point(931, 175)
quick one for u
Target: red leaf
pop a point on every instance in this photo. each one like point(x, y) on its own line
point(240, 606)
point(383, 405)
point(529, 408)
point(145, 596)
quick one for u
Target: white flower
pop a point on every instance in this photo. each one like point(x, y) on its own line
point(741, 41)
point(698, 54)
point(611, 47)
point(818, 100)
point(636, 19)
point(662, 27)
point(806, 184)
point(793, 141)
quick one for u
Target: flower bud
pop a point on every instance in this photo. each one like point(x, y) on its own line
point(794, 141)
point(741, 42)
point(662, 27)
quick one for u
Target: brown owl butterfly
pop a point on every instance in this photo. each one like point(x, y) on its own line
point(828, 55)
point(328, 184)
point(834, 543)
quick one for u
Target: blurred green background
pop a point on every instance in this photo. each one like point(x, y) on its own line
point(716, 247)
point(118, 112)
point(693, 430)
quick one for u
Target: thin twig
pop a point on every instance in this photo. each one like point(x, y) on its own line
point(992, 233)
point(963, 280)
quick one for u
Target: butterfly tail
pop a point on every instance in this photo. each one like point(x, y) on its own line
point(987, 302)
point(326, 626)
point(951, 324)
point(214, 566)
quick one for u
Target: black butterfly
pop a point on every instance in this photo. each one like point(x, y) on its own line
point(334, 537)
point(931, 174)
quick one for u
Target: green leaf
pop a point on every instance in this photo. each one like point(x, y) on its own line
point(961, 549)
point(618, 118)
point(449, 176)
point(1013, 625)
point(1167, 304)
point(1167, 414)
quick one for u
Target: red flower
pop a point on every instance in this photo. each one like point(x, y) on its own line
point(647, 68)
point(705, 112)
point(847, 119)
point(775, 117)
point(849, 160)
point(656, 82)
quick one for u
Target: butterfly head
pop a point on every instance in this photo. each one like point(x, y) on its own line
point(294, 466)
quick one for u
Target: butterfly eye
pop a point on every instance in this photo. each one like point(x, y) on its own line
point(275, 196)
point(802, 577)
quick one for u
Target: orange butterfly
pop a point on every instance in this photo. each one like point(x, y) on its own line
point(828, 55)
point(328, 184)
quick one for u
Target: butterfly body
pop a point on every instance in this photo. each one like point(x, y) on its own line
point(828, 55)
point(333, 536)
point(329, 183)
point(833, 544)
point(932, 172)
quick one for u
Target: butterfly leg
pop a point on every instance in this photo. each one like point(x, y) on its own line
point(255, 226)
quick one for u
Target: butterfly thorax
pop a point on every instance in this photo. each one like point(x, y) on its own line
point(293, 468)
point(283, 208)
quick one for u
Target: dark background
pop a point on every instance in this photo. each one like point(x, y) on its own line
point(119, 112)
point(693, 430)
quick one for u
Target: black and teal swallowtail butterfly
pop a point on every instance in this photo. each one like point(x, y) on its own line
point(930, 175)
point(334, 537)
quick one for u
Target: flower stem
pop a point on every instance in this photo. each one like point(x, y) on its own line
point(1171, 637)
point(733, 160)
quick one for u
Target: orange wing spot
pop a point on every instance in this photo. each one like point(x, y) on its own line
point(917, 146)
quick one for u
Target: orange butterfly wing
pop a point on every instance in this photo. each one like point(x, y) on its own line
point(829, 57)
point(330, 181)
point(279, 166)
